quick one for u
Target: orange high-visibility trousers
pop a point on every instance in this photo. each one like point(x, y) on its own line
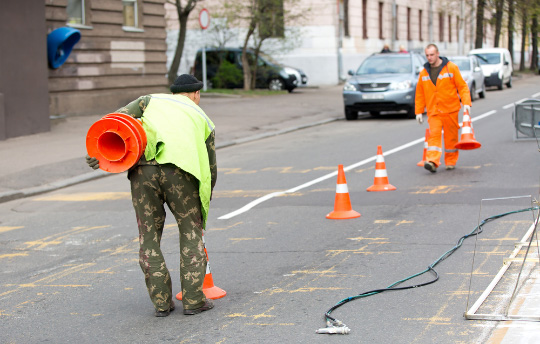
point(437, 123)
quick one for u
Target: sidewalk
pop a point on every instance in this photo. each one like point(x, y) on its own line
point(48, 161)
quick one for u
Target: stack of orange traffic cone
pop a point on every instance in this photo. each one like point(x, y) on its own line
point(467, 141)
point(342, 204)
point(381, 177)
point(209, 289)
point(423, 161)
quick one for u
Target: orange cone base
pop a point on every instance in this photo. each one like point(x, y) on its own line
point(468, 145)
point(421, 163)
point(385, 187)
point(210, 293)
point(343, 214)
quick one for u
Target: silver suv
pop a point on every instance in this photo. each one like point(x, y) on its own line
point(383, 82)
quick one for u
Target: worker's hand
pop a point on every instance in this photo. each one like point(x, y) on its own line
point(92, 162)
point(419, 118)
point(467, 108)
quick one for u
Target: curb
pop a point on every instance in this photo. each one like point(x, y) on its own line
point(36, 190)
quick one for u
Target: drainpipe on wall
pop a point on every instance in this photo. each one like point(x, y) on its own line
point(394, 25)
point(430, 21)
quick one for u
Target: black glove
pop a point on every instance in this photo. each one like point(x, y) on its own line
point(92, 162)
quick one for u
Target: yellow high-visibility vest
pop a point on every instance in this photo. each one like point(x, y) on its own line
point(176, 130)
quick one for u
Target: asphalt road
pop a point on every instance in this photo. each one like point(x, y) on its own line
point(70, 258)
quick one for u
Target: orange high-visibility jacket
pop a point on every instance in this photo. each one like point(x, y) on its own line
point(441, 98)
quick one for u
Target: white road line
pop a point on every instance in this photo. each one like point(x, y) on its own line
point(333, 174)
point(507, 106)
point(535, 95)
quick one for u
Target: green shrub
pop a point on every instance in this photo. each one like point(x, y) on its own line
point(227, 76)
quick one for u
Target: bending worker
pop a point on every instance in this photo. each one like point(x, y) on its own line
point(437, 90)
point(179, 168)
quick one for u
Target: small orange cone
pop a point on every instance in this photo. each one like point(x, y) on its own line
point(467, 141)
point(423, 161)
point(209, 289)
point(381, 177)
point(342, 203)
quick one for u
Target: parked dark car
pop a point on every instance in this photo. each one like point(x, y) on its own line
point(383, 82)
point(224, 70)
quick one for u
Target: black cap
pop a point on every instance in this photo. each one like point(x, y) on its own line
point(186, 83)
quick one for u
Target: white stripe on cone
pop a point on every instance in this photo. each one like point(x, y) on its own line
point(342, 188)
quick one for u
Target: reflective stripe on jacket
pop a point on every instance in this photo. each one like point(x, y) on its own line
point(441, 98)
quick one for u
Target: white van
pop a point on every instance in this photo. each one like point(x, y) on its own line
point(496, 64)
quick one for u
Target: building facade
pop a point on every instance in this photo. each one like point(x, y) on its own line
point(335, 36)
point(121, 54)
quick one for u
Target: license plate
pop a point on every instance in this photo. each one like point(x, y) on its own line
point(372, 96)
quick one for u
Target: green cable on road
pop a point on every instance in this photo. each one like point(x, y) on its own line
point(334, 324)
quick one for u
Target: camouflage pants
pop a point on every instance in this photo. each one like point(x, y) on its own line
point(151, 188)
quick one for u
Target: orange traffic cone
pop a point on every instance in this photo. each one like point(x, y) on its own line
point(422, 162)
point(209, 289)
point(381, 177)
point(467, 141)
point(342, 204)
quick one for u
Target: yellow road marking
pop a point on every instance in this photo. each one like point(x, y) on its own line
point(235, 171)
point(4, 229)
point(287, 169)
point(58, 238)
point(382, 221)
point(224, 228)
point(11, 255)
point(299, 290)
point(86, 196)
point(235, 240)
point(363, 238)
point(404, 222)
point(440, 189)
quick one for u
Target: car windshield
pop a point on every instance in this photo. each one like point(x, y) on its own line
point(463, 64)
point(382, 64)
point(493, 58)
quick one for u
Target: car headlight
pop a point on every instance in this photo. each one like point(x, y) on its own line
point(290, 71)
point(349, 87)
point(402, 85)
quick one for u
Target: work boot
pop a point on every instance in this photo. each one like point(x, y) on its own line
point(430, 167)
point(450, 167)
point(165, 313)
point(209, 304)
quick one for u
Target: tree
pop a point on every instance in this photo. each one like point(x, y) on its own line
point(534, 39)
point(265, 19)
point(524, 7)
point(499, 8)
point(511, 28)
point(183, 14)
point(479, 23)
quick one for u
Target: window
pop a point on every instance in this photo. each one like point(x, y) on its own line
point(441, 27)
point(450, 28)
point(131, 15)
point(409, 38)
point(397, 21)
point(75, 12)
point(381, 8)
point(346, 18)
point(420, 25)
point(364, 18)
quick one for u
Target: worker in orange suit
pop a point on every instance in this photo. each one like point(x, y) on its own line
point(438, 87)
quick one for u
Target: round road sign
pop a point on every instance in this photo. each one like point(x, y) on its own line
point(204, 19)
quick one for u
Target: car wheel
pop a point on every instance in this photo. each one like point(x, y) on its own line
point(509, 83)
point(483, 93)
point(276, 85)
point(375, 113)
point(351, 114)
point(500, 85)
point(473, 93)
